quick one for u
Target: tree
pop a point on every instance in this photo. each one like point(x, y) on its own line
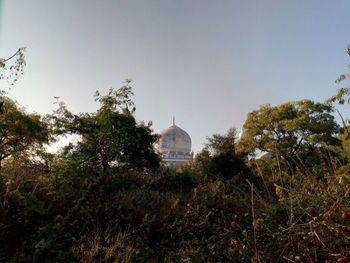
point(111, 137)
point(289, 129)
point(218, 143)
point(219, 159)
point(20, 131)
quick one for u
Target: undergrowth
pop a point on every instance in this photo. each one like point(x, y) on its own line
point(167, 216)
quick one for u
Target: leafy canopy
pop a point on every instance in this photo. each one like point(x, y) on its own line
point(110, 136)
point(218, 159)
point(218, 144)
point(289, 129)
point(20, 131)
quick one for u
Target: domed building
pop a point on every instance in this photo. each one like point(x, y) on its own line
point(174, 145)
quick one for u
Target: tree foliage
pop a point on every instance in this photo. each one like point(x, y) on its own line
point(218, 159)
point(20, 131)
point(289, 129)
point(218, 144)
point(110, 136)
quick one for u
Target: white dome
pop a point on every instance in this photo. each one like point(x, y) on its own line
point(174, 139)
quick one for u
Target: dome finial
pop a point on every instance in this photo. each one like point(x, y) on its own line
point(174, 120)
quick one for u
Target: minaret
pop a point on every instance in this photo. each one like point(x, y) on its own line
point(173, 120)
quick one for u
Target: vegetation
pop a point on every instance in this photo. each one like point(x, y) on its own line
point(343, 94)
point(289, 130)
point(106, 198)
point(20, 132)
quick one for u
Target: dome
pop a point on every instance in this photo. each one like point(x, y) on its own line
point(174, 139)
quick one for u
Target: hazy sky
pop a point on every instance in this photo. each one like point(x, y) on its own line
point(207, 62)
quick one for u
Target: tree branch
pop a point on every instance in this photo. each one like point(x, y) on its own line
point(15, 54)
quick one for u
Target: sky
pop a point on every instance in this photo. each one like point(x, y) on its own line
point(208, 63)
